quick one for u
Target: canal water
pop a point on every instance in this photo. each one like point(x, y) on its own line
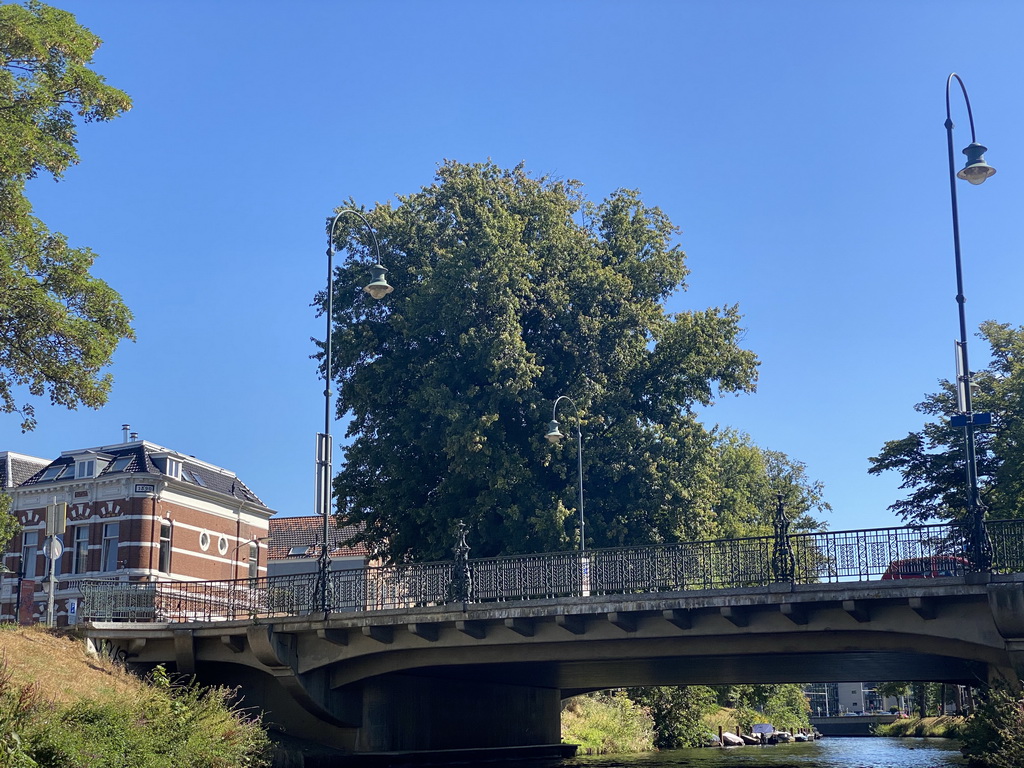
point(867, 752)
point(827, 753)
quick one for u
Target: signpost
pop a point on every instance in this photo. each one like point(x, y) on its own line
point(56, 524)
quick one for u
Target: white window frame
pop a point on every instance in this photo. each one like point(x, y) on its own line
point(29, 553)
point(164, 548)
point(80, 549)
point(111, 541)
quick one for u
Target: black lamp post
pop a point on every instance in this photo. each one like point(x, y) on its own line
point(378, 289)
point(975, 171)
point(554, 435)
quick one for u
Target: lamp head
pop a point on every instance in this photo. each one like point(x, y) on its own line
point(553, 435)
point(378, 287)
point(976, 170)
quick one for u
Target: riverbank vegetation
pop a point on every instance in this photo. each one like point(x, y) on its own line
point(607, 723)
point(675, 717)
point(61, 708)
point(944, 727)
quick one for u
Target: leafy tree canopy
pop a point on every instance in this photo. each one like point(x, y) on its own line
point(510, 291)
point(59, 325)
point(931, 461)
point(752, 482)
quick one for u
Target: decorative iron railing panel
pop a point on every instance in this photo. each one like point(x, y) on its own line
point(823, 557)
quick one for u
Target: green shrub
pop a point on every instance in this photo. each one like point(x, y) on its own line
point(678, 712)
point(607, 723)
point(994, 735)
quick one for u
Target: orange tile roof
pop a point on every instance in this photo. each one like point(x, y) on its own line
point(288, 533)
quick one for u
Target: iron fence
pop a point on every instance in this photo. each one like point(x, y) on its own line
point(807, 558)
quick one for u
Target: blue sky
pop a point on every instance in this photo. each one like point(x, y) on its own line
point(799, 146)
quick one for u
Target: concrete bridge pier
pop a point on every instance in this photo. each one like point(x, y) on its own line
point(404, 712)
point(454, 714)
point(1007, 604)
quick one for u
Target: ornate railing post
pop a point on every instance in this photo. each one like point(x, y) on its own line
point(783, 562)
point(462, 582)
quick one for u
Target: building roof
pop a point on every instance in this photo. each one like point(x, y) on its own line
point(16, 468)
point(297, 537)
point(142, 456)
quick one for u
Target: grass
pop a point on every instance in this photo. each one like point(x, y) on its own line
point(945, 727)
point(607, 724)
point(61, 708)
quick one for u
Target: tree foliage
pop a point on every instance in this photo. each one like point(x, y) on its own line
point(783, 705)
point(678, 713)
point(932, 460)
point(510, 291)
point(753, 480)
point(59, 325)
point(994, 737)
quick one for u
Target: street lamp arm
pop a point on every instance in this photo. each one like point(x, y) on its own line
point(354, 212)
point(559, 399)
point(967, 101)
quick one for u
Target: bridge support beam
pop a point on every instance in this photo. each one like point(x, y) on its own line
point(409, 712)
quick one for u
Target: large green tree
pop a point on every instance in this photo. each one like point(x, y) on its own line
point(511, 290)
point(59, 325)
point(931, 461)
point(753, 480)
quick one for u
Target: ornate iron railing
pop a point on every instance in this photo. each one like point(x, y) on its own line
point(806, 558)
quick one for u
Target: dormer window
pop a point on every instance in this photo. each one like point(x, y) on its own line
point(169, 465)
point(85, 469)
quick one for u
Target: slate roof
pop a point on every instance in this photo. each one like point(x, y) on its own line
point(287, 533)
point(16, 468)
point(140, 459)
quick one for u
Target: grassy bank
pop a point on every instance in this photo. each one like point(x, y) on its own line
point(946, 727)
point(607, 723)
point(62, 708)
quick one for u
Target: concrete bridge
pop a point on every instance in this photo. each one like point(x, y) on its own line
point(492, 674)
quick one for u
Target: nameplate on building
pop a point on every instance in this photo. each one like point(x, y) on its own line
point(80, 494)
point(145, 488)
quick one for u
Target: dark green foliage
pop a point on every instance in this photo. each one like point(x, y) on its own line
point(678, 713)
point(783, 705)
point(510, 291)
point(9, 524)
point(59, 326)
point(932, 460)
point(751, 481)
point(994, 736)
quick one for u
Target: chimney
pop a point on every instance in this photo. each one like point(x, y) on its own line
point(134, 436)
point(124, 432)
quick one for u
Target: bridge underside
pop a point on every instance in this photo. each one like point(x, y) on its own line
point(573, 678)
point(492, 675)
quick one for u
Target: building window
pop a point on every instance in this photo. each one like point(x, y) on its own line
point(222, 545)
point(110, 537)
point(80, 554)
point(204, 541)
point(29, 552)
point(85, 469)
point(173, 468)
point(165, 546)
point(254, 560)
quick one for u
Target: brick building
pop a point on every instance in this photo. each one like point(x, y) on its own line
point(294, 546)
point(136, 511)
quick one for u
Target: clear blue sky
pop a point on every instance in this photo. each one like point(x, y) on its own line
point(799, 146)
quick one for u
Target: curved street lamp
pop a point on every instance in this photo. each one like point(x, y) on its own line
point(378, 288)
point(975, 171)
point(554, 435)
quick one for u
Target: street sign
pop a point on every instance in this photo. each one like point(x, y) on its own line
point(53, 548)
point(56, 518)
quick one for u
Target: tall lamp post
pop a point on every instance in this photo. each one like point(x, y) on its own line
point(378, 288)
point(975, 171)
point(554, 435)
